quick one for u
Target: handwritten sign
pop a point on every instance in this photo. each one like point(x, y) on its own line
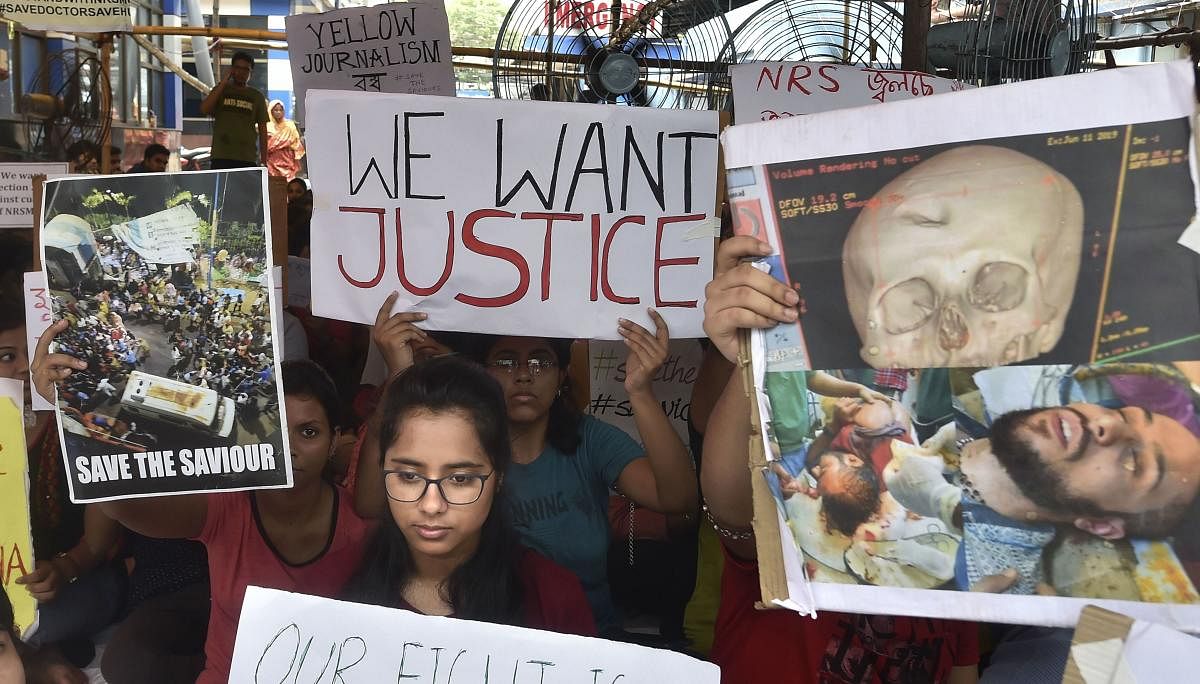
point(37, 319)
point(299, 289)
point(94, 16)
point(672, 384)
point(16, 191)
point(164, 237)
point(773, 90)
point(510, 217)
point(288, 636)
point(16, 542)
point(403, 47)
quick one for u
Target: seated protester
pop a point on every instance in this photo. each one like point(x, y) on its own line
point(12, 671)
point(78, 589)
point(564, 463)
point(752, 645)
point(305, 539)
point(447, 547)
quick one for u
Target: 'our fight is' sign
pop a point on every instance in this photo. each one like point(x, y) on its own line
point(511, 217)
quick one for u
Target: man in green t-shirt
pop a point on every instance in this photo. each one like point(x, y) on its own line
point(239, 118)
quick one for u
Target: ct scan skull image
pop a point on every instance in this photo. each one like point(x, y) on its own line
point(967, 259)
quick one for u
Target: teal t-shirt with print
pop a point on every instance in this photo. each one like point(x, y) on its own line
point(559, 506)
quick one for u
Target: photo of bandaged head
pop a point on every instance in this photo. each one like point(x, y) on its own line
point(1078, 481)
point(968, 258)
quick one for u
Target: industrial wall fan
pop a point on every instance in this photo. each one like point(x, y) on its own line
point(987, 42)
point(662, 53)
point(67, 101)
point(861, 32)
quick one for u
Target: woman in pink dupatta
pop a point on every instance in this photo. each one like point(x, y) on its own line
point(284, 147)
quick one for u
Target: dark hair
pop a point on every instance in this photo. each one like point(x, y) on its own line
point(1045, 487)
point(487, 586)
point(154, 149)
point(243, 57)
point(845, 511)
point(300, 181)
point(303, 378)
point(562, 429)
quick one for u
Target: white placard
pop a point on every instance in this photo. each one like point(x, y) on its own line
point(763, 91)
point(672, 384)
point(94, 16)
point(16, 191)
point(37, 319)
point(515, 217)
point(351, 642)
point(403, 47)
point(164, 237)
point(299, 289)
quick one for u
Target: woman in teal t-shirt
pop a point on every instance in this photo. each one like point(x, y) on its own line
point(564, 463)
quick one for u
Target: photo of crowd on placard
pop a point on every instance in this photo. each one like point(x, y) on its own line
point(164, 284)
point(1079, 481)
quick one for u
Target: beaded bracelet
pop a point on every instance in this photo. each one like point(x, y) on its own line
point(734, 535)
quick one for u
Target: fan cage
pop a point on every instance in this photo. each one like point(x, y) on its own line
point(78, 80)
point(1018, 40)
point(659, 54)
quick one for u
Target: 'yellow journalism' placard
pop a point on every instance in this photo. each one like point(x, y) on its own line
point(16, 541)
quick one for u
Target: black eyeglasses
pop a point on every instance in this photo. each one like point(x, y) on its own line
point(535, 365)
point(459, 489)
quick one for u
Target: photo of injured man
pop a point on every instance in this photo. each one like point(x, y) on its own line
point(1079, 481)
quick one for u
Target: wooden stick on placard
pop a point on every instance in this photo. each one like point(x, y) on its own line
point(277, 201)
point(38, 182)
point(772, 578)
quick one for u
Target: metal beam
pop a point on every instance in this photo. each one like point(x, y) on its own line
point(914, 50)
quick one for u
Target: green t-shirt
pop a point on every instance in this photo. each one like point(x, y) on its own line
point(790, 420)
point(234, 133)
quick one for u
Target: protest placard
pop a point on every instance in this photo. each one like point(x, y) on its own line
point(37, 319)
point(16, 541)
point(294, 636)
point(16, 191)
point(511, 217)
point(87, 16)
point(672, 384)
point(764, 91)
point(165, 280)
point(401, 47)
point(1030, 489)
point(299, 280)
point(984, 240)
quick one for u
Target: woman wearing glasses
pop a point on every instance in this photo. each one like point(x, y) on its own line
point(447, 547)
point(565, 463)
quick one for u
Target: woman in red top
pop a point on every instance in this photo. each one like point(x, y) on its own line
point(448, 548)
point(779, 645)
point(306, 539)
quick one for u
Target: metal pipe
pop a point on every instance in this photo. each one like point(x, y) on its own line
point(175, 68)
point(195, 22)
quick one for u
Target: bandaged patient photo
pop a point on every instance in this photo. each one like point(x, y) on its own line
point(1072, 481)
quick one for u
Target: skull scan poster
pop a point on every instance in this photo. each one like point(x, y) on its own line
point(938, 236)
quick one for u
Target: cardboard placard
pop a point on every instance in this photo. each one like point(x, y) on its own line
point(16, 540)
point(357, 642)
point(1081, 479)
point(401, 47)
point(511, 217)
point(16, 191)
point(166, 281)
point(765, 91)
